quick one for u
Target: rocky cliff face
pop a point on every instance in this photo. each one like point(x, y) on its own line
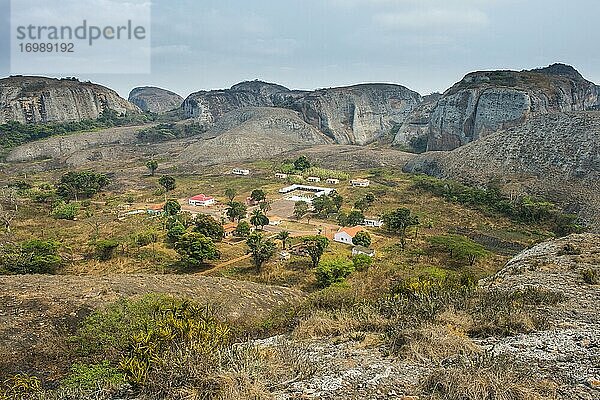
point(349, 115)
point(209, 107)
point(357, 114)
point(36, 99)
point(155, 99)
point(556, 155)
point(484, 102)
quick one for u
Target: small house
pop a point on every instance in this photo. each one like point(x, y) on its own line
point(239, 171)
point(360, 183)
point(313, 179)
point(345, 235)
point(201, 201)
point(155, 209)
point(275, 221)
point(373, 222)
point(281, 176)
point(333, 181)
point(229, 230)
point(363, 250)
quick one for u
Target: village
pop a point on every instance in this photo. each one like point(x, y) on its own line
point(281, 212)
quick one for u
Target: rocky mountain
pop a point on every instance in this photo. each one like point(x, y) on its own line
point(28, 99)
point(556, 155)
point(349, 115)
point(357, 114)
point(252, 133)
point(155, 99)
point(484, 102)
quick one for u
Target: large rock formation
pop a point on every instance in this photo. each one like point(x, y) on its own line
point(357, 114)
point(155, 99)
point(484, 102)
point(36, 99)
point(556, 155)
point(252, 133)
point(349, 115)
point(209, 106)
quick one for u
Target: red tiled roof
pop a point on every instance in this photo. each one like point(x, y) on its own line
point(201, 197)
point(352, 231)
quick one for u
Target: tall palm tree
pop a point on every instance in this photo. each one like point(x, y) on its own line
point(259, 219)
point(284, 236)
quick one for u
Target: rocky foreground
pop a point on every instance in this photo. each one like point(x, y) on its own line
point(565, 356)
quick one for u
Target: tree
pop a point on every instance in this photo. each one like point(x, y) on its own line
point(258, 195)
point(209, 227)
point(361, 205)
point(458, 247)
point(362, 238)
point(243, 229)
point(175, 231)
point(355, 218)
point(265, 206)
point(31, 257)
point(152, 166)
point(334, 271)
point(300, 209)
point(323, 205)
point(362, 262)
point(167, 182)
point(172, 208)
point(284, 236)
point(337, 201)
point(302, 163)
point(82, 184)
point(261, 249)
point(236, 211)
point(259, 219)
point(195, 248)
point(230, 193)
point(315, 247)
point(398, 221)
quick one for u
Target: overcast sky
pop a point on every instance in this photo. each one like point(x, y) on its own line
point(426, 45)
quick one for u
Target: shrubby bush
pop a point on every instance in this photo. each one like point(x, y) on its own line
point(65, 211)
point(31, 257)
point(334, 271)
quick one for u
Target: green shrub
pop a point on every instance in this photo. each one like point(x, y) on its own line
point(362, 262)
point(334, 271)
point(31, 257)
point(145, 238)
point(93, 376)
point(105, 249)
point(65, 211)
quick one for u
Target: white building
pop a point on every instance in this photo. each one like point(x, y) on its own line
point(333, 181)
point(345, 235)
point(360, 182)
point(281, 176)
point(304, 192)
point(373, 222)
point(201, 201)
point(363, 250)
point(313, 179)
point(239, 171)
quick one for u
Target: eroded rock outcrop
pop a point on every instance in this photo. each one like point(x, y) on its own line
point(349, 115)
point(556, 155)
point(37, 100)
point(155, 99)
point(485, 102)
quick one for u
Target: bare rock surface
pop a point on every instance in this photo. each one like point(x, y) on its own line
point(155, 99)
point(29, 99)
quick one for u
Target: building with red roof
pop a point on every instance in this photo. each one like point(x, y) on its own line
point(201, 201)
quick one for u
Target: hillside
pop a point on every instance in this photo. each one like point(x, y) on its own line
point(29, 99)
point(155, 99)
point(555, 155)
point(484, 102)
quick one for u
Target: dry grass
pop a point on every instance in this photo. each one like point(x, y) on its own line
point(487, 378)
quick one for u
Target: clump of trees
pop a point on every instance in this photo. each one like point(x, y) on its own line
point(169, 131)
point(458, 248)
point(333, 271)
point(525, 209)
point(398, 222)
point(81, 185)
point(30, 257)
point(196, 248)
